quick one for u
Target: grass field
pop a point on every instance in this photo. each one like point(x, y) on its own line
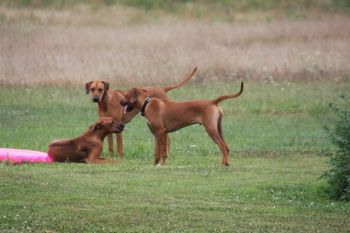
point(294, 57)
point(272, 185)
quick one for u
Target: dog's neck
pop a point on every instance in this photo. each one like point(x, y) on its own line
point(103, 103)
point(99, 134)
point(140, 101)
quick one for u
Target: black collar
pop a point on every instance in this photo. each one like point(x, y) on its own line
point(148, 99)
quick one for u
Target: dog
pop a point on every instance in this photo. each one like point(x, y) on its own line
point(88, 146)
point(109, 104)
point(164, 116)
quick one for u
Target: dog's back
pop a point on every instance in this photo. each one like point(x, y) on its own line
point(63, 150)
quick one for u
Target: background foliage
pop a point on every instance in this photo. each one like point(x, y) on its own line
point(338, 177)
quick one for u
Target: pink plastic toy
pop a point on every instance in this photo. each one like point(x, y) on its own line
point(21, 156)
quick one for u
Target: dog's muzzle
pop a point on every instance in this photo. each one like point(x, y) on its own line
point(95, 99)
point(119, 128)
point(123, 103)
point(127, 107)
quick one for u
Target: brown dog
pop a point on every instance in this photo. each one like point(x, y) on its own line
point(88, 146)
point(165, 116)
point(109, 104)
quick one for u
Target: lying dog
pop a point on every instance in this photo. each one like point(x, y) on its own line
point(109, 104)
point(165, 116)
point(88, 146)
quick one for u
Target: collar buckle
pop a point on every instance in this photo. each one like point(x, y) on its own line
point(147, 100)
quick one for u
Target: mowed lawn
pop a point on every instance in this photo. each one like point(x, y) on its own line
point(274, 132)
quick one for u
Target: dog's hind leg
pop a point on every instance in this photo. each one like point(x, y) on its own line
point(220, 129)
point(213, 132)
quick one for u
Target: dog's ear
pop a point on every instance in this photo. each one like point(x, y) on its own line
point(106, 85)
point(87, 87)
point(135, 92)
point(107, 120)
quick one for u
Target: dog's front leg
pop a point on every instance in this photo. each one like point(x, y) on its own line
point(167, 143)
point(156, 147)
point(110, 145)
point(94, 155)
point(156, 151)
point(163, 145)
point(157, 155)
point(120, 145)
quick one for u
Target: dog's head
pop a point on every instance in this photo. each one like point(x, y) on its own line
point(131, 98)
point(97, 90)
point(108, 125)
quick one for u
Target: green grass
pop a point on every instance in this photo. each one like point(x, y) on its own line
point(227, 10)
point(274, 132)
point(255, 194)
point(171, 5)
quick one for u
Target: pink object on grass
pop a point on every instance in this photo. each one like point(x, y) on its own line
point(22, 156)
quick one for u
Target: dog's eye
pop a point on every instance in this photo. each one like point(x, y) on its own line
point(100, 90)
point(92, 89)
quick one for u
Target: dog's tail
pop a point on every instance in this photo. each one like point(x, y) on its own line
point(185, 80)
point(225, 97)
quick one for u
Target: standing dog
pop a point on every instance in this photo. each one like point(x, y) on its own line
point(165, 116)
point(109, 104)
point(88, 146)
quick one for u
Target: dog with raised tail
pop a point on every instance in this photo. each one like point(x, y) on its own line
point(164, 116)
point(109, 104)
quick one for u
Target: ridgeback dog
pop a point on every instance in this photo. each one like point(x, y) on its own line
point(109, 104)
point(88, 146)
point(165, 116)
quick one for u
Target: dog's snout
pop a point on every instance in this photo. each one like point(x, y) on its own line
point(122, 103)
point(119, 127)
point(95, 99)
